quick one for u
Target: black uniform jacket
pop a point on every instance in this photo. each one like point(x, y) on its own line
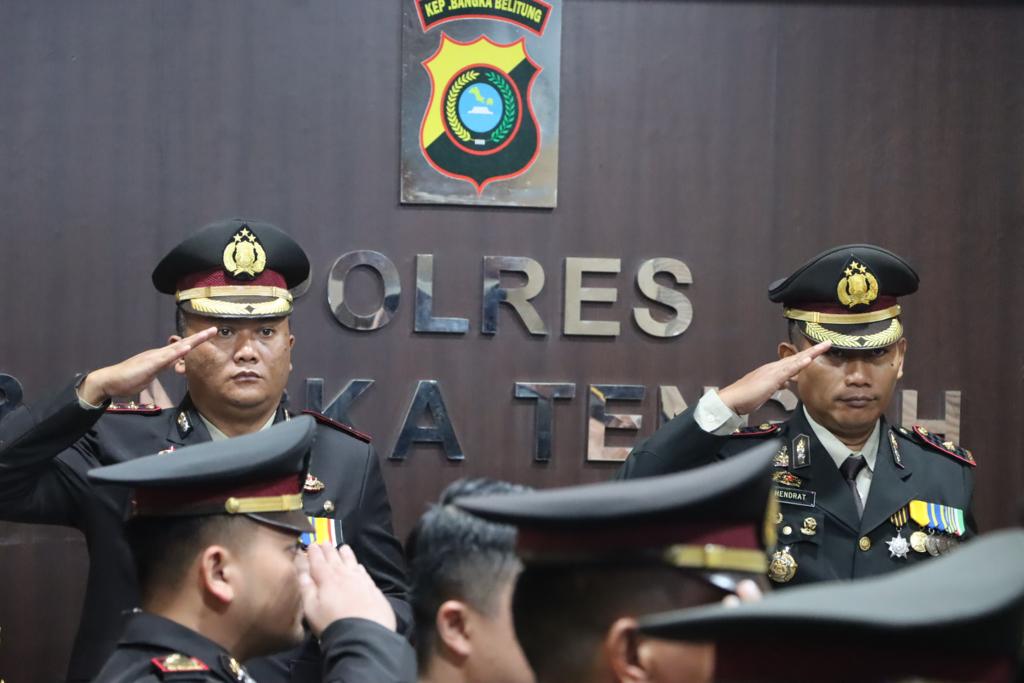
point(46, 450)
point(156, 649)
point(841, 545)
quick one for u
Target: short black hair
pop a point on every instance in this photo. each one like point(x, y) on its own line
point(563, 612)
point(164, 547)
point(180, 323)
point(453, 555)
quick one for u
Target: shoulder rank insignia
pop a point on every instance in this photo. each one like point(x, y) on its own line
point(323, 419)
point(787, 479)
point(759, 430)
point(178, 662)
point(947, 447)
point(135, 408)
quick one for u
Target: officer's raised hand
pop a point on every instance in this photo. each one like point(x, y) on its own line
point(753, 390)
point(134, 374)
point(337, 587)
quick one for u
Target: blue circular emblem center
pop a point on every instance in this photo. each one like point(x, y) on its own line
point(480, 107)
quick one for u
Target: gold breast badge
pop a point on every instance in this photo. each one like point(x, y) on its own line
point(783, 566)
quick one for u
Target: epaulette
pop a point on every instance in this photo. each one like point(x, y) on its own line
point(762, 429)
point(179, 667)
point(934, 442)
point(323, 419)
point(136, 408)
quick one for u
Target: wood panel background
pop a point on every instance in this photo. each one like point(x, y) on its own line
point(739, 138)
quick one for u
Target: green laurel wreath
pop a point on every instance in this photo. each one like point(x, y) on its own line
point(451, 105)
point(508, 98)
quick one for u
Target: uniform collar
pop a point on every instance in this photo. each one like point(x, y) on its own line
point(217, 435)
point(148, 629)
point(839, 451)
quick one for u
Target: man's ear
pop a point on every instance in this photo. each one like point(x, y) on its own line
point(786, 349)
point(621, 652)
point(179, 365)
point(454, 628)
point(901, 346)
point(218, 575)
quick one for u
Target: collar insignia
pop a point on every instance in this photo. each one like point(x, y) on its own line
point(184, 424)
point(313, 484)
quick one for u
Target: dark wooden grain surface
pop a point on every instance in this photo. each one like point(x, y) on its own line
point(739, 138)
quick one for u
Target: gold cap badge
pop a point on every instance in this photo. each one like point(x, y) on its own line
point(858, 287)
point(244, 256)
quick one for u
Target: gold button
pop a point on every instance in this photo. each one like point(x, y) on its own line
point(787, 530)
point(864, 543)
point(328, 506)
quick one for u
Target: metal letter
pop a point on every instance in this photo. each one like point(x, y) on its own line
point(337, 409)
point(11, 394)
point(545, 394)
point(576, 294)
point(516, 297)
point(948, 426)
point(427, 399)
point(425, 320)
point(599, 420)
point(388, 274)
point(673, 327)
point(670, 403)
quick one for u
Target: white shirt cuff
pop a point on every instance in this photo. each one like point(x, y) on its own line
point(714, 417)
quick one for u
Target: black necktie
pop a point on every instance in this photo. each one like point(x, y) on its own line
point(850, 468)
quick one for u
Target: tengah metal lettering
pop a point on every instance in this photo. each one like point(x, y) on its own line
point(427, 402)
point(544, 395)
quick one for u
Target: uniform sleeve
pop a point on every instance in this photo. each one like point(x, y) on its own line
point(361, 651)
point(971, 523)
point(375, 545)
point(678, 445)
point(45, 451)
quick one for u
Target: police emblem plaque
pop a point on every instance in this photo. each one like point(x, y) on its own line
point(480, 87)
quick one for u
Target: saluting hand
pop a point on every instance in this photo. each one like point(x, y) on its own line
point(338, 587)
point(134, 374)
point(751, 391)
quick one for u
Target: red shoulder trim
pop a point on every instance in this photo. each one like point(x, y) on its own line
point(135, 408)
point(178, 662)
point(323, 419)
point(947, 447)
point(759, 430)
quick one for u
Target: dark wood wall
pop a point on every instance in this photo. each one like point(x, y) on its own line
point(739, 138)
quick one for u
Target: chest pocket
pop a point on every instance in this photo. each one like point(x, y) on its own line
point(801, 526)
point(326, 531)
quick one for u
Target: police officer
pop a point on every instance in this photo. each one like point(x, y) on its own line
point(233, 343)
point(599, 556)
point(859, 496)
point(215, 534)
point(960, 618)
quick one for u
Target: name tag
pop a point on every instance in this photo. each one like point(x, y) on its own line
point(795, 496)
